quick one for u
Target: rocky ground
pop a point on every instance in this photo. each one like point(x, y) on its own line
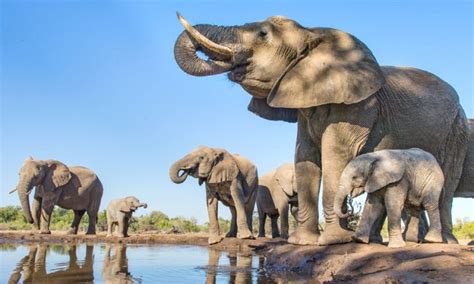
point(374, 263)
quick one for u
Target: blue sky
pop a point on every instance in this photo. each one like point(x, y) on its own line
point(95, 83)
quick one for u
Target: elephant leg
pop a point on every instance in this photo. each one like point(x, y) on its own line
point(75, 223)
point(395, 197)
point(434, 234)
point(36, 212)
point(214, 232)
point(237, 192)
point(373, 209)
point(275, 231)
point(46, 212)
point(110, 226)
point(261, 223)
point(233, 224)
point(375, 232)
point(415, 225)
point(126, 223)
point(92, 221)
point(308, 178)
point(121, 228)
point(283, 210)
point(452, 169)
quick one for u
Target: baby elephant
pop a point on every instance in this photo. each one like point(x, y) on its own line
point(119, 212)
point(393, 179)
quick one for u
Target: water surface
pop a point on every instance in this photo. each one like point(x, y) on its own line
point(116, 263)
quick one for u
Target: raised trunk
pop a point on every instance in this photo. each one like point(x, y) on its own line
point(23, 189)
point(144, 205)
point(187, 46)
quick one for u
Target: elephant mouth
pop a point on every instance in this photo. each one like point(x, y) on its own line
point(259, 88)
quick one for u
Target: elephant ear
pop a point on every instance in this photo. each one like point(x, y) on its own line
point(286, 180)
point(262, 109)
point(225, 168)
point(125, 207)
point(382, 173)
point(335, 67)
point(58, 175)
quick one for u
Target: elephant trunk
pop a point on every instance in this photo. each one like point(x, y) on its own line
point(144, 205)
point(208, 39)
point(179, 171)
point(339, 200)
point(24, 187)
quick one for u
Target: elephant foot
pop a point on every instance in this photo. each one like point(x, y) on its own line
point(108, 235)
point(397, 243)
point(360, 238)
point(260, 235)
point(214, 239)
point(45, 232)
point(433, 237)
point(283, 236)
point(90, 232)
point(245, 235)
point(303, 237)
point(231, 234)
point(334, 234)
point(72, 231)
point(450, 238)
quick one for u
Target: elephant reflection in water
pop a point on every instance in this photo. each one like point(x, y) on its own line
point(32, 268)
point(115, 269)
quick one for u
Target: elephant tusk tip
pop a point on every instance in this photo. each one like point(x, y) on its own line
point(12, 191)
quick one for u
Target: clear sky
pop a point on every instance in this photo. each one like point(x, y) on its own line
point(95, 83)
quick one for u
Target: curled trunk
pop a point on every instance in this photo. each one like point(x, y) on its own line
point(23, 189)
point(179, 171)
point(208, 39)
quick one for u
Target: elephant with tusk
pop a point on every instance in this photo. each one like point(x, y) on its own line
point(231, 179)
point(393, 179)
point(344, 102)
point(75, 188)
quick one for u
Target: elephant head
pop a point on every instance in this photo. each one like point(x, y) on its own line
point(130, 204)
point(367, 173)
point(283, 65)
point(50, 174)
point(207, 164)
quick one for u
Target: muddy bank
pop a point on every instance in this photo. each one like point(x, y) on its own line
point(375, 263)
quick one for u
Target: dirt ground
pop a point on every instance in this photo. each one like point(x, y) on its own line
point(359, 263)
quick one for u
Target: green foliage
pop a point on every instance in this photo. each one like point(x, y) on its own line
point(464, 229)
point(11, 218)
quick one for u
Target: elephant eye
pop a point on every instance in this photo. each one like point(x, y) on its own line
point(201, 157)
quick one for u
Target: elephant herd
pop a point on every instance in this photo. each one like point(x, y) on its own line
point(399, 134)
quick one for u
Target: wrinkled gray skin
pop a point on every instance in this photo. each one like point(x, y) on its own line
point(276, 194)
point(75, 188)
point(231, 179)
point(119, 213)
point(344, 102)
point(393, 179)
point(466, 184)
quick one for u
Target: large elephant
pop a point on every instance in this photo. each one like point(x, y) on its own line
point(344, 102)
point(75, 188)
point(231, 179)
point(276, 194)
point(393, 179)
point(115, 265)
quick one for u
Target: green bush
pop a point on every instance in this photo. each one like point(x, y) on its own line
point(464, 229)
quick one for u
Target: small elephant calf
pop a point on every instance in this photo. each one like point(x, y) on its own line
point(393, 179)
point(119, 212)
